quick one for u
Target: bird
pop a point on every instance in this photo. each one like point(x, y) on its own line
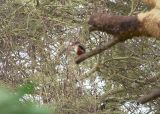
point(78, 48)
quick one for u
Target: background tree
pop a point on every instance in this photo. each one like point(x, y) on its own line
point(35, 33)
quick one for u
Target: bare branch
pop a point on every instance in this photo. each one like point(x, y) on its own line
point(97, 50)
point(149, 97)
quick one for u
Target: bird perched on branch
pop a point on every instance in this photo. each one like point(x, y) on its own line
point(78, 47)
point(75, 46)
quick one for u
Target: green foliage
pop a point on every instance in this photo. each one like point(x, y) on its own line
point(12, 102)
point(27, 88)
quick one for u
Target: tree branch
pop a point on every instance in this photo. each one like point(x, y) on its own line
point(149, 97)
point(124, 27)
point(97, 50)
point(121, 27)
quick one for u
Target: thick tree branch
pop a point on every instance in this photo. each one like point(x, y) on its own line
point(121, 27)
point(125, 27)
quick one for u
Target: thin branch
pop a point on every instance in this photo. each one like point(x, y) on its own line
point(120, 90)
point(97, 50)
point(149, 97)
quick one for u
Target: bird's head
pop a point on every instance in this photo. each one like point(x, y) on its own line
point(78, 47)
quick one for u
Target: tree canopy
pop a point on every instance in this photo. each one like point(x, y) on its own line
point(34, 40)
